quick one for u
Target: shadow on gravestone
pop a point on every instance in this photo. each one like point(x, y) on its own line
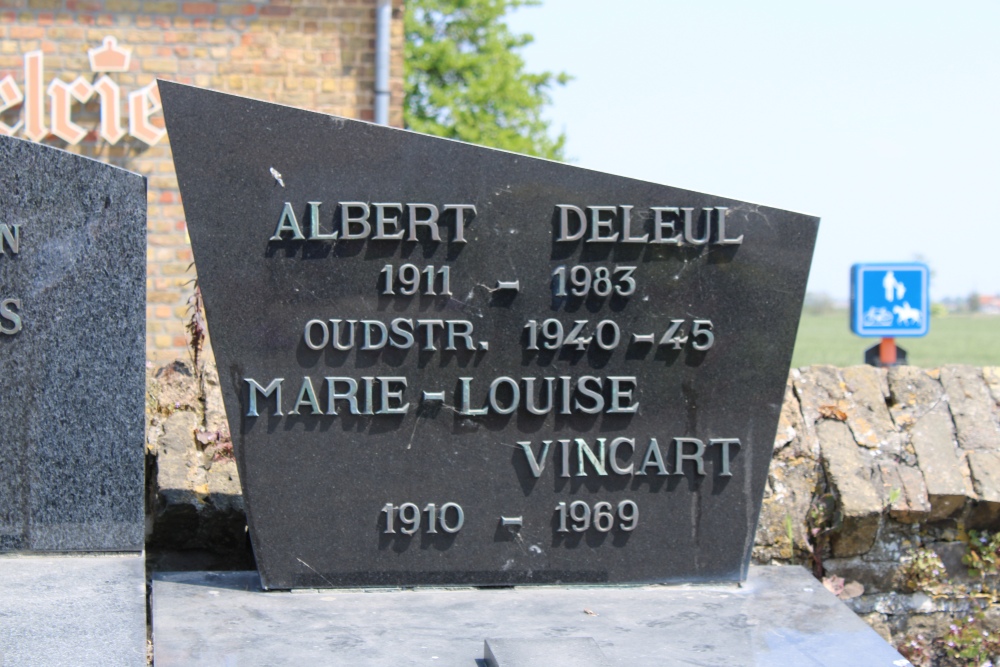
point(72, 353)
point(446, 364)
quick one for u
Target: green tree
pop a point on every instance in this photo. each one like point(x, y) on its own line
point(466, 81)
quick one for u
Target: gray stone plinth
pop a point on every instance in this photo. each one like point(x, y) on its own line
point(780, 616)
point(551, 652)
point(72, 610)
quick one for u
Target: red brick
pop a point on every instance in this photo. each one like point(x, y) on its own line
point(26, 32)
point(239, 10)
point(83, 6)
point(199, 8)
point(271, 10)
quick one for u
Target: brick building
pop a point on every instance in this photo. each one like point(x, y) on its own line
point(80, 75)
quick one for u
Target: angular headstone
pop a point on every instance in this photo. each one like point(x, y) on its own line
point(562, 375)
point(72, 350)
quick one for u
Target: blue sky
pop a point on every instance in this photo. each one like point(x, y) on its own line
point(880, 117)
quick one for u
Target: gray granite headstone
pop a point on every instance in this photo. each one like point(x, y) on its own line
point(72, 352)
point(446, 364)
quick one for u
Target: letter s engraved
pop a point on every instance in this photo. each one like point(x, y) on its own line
point(11, 316)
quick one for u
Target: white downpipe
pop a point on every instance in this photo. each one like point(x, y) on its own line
point(383, 25)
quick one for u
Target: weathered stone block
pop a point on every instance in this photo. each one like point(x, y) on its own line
point(792, 482)
point(904, 491)
point(788, 441)
point(985, 469)
point(934, 624)
point(945, 472)
point(855, 395)
point(173, 458)
point(879, 625)
point(173, 387)
point(991, 374)
point(197, 501)
point(215, 411)
point(791, 487)
point(819, 389)
point(915, 492)
point(867, 414)
point(850, 474)
point(912, 392)
point(951, 554)
point(875, 576)
point(972, 407)
point(919, 409)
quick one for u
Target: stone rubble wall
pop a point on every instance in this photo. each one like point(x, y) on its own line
point(193, 500)
point(869, 466)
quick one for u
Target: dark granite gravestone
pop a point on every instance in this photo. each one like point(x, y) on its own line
point(72, 350)
point(445, 364)
point(72, 354)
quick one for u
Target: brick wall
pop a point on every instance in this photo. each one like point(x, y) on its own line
point(315, 54)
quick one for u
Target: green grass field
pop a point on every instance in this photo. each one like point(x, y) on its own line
point(953, 339)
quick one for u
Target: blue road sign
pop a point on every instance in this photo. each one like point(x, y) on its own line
point(890, 300)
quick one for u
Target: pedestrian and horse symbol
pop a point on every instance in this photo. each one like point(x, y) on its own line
point(893, 288)
point(890, 300)
point(906, 314)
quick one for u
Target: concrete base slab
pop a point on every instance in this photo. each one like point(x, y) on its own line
point(780, 616)
point(548, 651)
point(72, 610)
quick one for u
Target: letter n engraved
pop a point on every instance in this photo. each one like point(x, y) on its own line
point(10, 239)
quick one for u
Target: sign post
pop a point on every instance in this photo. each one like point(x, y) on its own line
point(889, 301)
